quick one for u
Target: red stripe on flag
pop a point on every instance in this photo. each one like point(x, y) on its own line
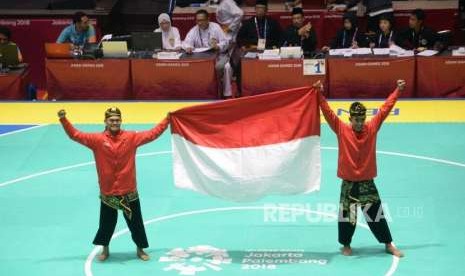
point(251, 121)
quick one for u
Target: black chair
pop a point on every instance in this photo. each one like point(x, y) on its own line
point(444, 40)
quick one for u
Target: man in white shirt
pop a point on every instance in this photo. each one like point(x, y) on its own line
point(209, 35)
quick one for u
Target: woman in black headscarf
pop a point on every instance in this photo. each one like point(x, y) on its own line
point(349, 36)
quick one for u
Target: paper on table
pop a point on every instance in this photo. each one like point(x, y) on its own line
point(168, 55)
point(381, 51)
point(334, 52)
point(201, 50)
point(427, 53)
point(348, 54)
point(406, 54)
point(395, 50)
point(271, 52)
point(269, 57)
point(362, 51)
point(459, 52)
point(340, 52)
point(251, 55)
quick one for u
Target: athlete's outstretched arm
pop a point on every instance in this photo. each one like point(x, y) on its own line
point(331, 117)
point(86, 139)
point(388, 104)
point(144, 137)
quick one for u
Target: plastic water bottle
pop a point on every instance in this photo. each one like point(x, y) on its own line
point(31, 92)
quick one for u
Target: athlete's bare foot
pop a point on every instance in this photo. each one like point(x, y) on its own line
point(104, 254)
point(391, 249)
point(142, 255)
point(346, 250)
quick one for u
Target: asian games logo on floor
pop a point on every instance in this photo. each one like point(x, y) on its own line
point(202, 258)
point(195, 259)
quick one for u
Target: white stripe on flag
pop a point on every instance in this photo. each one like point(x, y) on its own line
point(247, 174)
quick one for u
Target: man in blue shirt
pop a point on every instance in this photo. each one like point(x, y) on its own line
point(78, 33)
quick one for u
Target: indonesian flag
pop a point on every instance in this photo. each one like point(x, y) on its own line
point(248, 148)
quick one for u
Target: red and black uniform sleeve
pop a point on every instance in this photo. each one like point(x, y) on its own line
point(332, 119)
point(87, 139)
point(385, 110)
point(144, 137)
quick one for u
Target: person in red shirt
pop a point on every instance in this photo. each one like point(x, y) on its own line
point(357, 169)
point(114, 152)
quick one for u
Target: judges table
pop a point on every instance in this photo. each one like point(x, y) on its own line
point(369, 77)
point(194, 77)
point(260, 76)
point(191, 77)
point(105, 79)
point(440, 76)
point(13, 84)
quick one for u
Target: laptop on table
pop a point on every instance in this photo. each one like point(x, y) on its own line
point(9, 56)
point(115, 49)
point(144, 44)
point(58, 50)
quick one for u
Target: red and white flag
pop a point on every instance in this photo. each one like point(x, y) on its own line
point(248, 148)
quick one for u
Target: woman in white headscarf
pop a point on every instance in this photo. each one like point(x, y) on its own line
point(170, 34)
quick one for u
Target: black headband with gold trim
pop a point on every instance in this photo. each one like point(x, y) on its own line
point(112, 111)
point(357, 109)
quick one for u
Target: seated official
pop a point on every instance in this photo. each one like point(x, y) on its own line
point(386, 36)
point(78, 33)
point(349, 36)
point(229, 16)
point(418, 36)
point(208, 34)
point(260, 32)
point(300, 34)
point(170, 35)
point(5, 39)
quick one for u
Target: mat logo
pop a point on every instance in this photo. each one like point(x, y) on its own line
point(270, 259)
point(195, 259)
point(370, 112)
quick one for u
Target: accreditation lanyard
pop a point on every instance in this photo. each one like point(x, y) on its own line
point(353, 38)
point(419, 35)
point(258, 29)
point(200, 37)
point(381, 36)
